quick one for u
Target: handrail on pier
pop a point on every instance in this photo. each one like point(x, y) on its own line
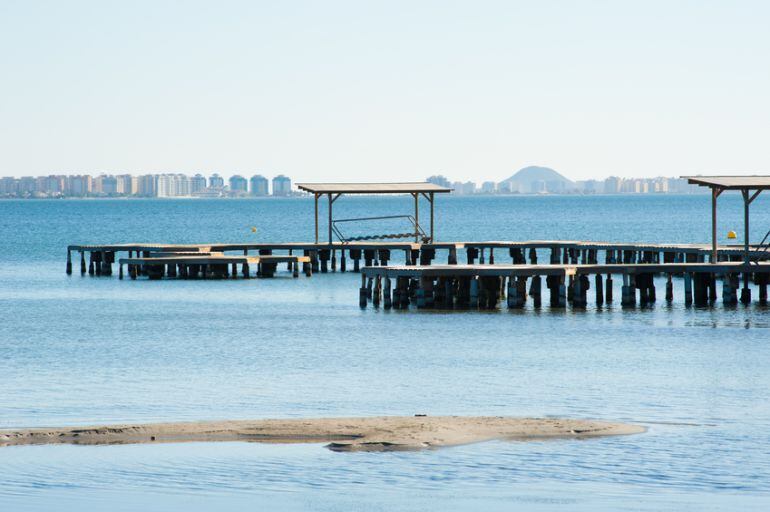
point(762, 249)
point(416, 232)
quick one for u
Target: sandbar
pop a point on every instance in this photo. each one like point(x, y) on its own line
point(383, 433)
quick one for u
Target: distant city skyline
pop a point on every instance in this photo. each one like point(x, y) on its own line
point(529, 180)
point(160, 185)
point(340, 91)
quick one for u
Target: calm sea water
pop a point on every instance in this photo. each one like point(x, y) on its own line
point(77, 350)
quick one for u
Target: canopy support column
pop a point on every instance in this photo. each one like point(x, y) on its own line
point(416, 217)
point(331, 201)
point(432, 240)
point(746, 202)
point(715, 191)
point(316, 217)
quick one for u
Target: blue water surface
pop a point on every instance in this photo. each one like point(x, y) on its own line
point(79, 350)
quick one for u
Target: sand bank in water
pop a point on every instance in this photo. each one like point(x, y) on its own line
point(342, 434)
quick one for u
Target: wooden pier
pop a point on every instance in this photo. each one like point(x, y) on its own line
point(193, 265)
point(477, 274)
point(97, 260)
point(485, 286)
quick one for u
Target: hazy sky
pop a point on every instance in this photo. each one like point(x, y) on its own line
point(366, 90)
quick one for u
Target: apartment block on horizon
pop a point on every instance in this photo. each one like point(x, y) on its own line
point(281, 185)
point(259, 186)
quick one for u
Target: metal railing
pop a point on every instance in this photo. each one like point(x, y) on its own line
point(417, 231)
point(762, 250)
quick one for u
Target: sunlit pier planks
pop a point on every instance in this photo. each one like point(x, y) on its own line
point(485, 286)
point(351, 256)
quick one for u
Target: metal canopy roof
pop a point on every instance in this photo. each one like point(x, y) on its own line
point(372, 188)
point(731, 182)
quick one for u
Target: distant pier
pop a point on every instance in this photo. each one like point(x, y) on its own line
point(492, 271)
point(461, 274)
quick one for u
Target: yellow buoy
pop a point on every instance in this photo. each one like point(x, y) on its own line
point(731, 235)
point(253, 229)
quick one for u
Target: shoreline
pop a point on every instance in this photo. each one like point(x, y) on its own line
point(383, 433)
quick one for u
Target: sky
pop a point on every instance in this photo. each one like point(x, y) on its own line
point(385, 90)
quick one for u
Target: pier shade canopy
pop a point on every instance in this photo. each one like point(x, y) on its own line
point(416, 189)
point(372, 188)
point(749, 186)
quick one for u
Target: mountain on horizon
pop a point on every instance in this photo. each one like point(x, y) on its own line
point(537, 180)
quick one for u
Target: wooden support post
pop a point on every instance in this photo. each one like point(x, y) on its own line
point(452, 257)
point(700, 296)
point(334, 260)
point(377, 292)
point(362, 296)
point(406, 292)
point(421, 293)
point(82, 263)
point(761, 280)
point(514, 301)
point(521, 285)
point(577, 292)
point(387, 294)
point(295, 270)
point(474, 292)
point(342, 260)
point(314, 260)
point(245, 270)
point(120, 271)
point(669, 288)
point(535, 291)
point(106, 264)
point(553, 282)
point(746, 291)
point(608, 289)
point(688, 288)
point(728, 293)
point(69, 262)
point(471, 253)
point(628, 295)
point(599, 290)
point(355, 255)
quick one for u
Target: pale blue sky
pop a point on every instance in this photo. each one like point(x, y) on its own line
point(386, 90)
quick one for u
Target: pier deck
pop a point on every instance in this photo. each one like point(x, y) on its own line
point(483, 286)
point(209, 265)
point(565, 263)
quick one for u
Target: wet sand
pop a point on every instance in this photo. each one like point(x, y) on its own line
point(343, 434)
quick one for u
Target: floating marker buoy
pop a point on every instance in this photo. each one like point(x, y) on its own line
point(253, 229)
point(731, 235)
